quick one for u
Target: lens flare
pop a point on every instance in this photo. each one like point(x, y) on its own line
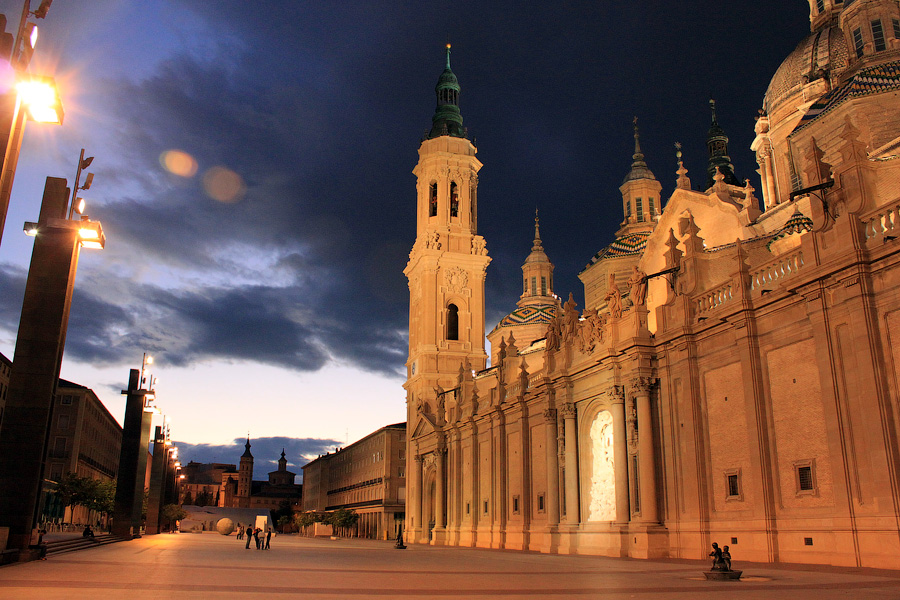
point(178, 163)
point(223, 185)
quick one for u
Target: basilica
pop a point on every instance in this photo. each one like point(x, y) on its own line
point(733, 376)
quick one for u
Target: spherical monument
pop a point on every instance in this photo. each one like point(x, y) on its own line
point(225, 526)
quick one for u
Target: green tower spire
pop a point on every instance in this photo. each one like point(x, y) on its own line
point(717, 145)
point(447, 119)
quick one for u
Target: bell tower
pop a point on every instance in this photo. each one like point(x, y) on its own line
point(448, 261)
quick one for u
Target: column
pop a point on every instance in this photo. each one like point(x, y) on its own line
point(620, 454)
point(552, 447)
point(568, 413)
point(647, 463)
point(132, 462)
point(770, 176)
point(415, 494)
point(439, 487)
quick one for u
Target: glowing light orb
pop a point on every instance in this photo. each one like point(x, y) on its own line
point(178, 163)
point(223, 185)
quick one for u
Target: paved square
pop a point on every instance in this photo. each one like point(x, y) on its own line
point(212, 566)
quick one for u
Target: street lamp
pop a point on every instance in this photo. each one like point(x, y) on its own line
point(31, 97)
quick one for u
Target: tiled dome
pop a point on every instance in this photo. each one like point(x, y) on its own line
point(825, 49)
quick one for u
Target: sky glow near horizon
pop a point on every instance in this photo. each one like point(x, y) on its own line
point(284, 312)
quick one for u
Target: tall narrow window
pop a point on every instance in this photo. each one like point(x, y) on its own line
point(639, 209)
point(896, 23)
point(628, 209)
point(432, 200)
point(534, 286)
point(820, 5)
point(878, 36)
point(543, 286)
point(454, 200)
point(652, 207)
point(525, 283)
point(858, 42)
point(452, 322)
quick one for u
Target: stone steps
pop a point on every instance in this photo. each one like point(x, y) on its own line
point(63, 546)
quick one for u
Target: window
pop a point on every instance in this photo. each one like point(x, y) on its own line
point(454, 200)
point(468, 508)
point(734, 488)
point(432, 200)
point(878, 36)
point(820, 5)
point(639, 209)
point(652, 207)
point(543, 286)
point(534, 286)
point(628, 209)
point(515, 505)
point(62, 421)
point(858, 42)
point(66, 400)
point(525, 285)
point(485, 507)
point(452, 322)
point(896, 23)
point(540, 503)
point(401, 472)
point(805, 477)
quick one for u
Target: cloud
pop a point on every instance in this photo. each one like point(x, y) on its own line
point(266, 452)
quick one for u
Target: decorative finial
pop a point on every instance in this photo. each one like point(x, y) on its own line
point(637, 139)
point(712, 108)
point(448, 53)
point(682, 182)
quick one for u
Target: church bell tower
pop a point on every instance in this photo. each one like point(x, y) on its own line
point(448, 261)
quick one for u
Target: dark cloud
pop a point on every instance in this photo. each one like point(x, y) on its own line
point(266, 452)
point(320, 111)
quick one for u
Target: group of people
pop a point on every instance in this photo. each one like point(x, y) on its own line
point(255, 534)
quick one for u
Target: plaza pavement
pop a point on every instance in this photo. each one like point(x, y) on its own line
point(174, 567)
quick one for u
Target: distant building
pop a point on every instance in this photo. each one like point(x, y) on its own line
point(368, 476)
point(238, 490)
point(84, 438)
point(203, 480)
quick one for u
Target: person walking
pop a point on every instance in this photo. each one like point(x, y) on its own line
point(256, 537)
point(268, 538)
point(249, 537)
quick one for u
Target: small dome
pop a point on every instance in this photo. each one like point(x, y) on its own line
point(626, 245)
point(797, 224)
point(821, 53)
point(529, 315)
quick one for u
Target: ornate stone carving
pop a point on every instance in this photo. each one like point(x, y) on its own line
point(614, 298)
point(590, 331)
point(637, 285)
point(553, 334)
point(433, 240)
point(642, 385)
point(568, 411)
point(428, 459)
point(616, 394)
point(569, 325)
point(550, 415)
point(479, 246)
point(456, 279)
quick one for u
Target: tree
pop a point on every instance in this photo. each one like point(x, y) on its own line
point(284, 510)
point(304, 520)
point(172, 513)
point(188, 498)
point(76, 491)
point(284, 521)
point(342, 520)
point(104, 497)
point(203, 499)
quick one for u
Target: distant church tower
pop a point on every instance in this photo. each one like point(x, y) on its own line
point(446, 272)
point(245, 478)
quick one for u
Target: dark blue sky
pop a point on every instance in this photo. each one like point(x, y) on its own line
point(319, 108)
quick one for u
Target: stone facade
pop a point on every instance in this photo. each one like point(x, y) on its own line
point(368, 476)
point(733, 376)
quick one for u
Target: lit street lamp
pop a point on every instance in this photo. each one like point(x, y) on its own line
point(37, 359)
point(26, 96)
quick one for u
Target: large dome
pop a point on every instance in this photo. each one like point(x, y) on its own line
point(825, 49)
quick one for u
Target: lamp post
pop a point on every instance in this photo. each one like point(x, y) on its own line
point(28, 96)
point(38, 355)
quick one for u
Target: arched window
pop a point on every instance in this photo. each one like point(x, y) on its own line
point(452, 322)
point(432, 200)
point(454, 200)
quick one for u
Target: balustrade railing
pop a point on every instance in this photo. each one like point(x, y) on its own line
point(714, 298)
point(885, 221)
point(784, 266)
